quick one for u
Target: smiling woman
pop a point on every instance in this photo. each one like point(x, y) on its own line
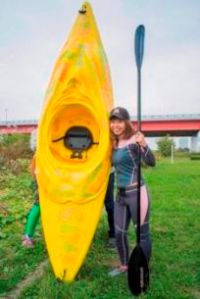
point(128, 149)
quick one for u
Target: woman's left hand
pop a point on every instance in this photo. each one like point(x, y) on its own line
point(139, 138)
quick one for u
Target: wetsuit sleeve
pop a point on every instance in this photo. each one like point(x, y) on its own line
point(148, 156)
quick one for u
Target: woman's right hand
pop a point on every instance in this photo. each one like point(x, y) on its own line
point(140, 139)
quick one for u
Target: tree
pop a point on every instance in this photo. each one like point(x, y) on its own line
point(165, 145)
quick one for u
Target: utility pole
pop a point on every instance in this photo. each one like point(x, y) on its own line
point(172, 153)
point(6, 116)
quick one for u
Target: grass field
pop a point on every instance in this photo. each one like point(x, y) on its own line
point(175, 264)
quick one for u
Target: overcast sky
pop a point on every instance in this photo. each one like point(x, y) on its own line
point(33, 32)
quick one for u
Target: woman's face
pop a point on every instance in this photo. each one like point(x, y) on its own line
point(117, 126)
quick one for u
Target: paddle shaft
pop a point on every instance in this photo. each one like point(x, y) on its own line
point(139, 51)
point(139, 154)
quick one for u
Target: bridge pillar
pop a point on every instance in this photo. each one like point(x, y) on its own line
point(195, 143)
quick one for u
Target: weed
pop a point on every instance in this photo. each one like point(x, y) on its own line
point(175, 214)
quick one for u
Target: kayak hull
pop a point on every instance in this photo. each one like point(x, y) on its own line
point(73, 147)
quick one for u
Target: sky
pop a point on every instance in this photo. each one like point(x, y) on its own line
point(32, 34)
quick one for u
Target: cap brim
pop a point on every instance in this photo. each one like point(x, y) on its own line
point(116, 116)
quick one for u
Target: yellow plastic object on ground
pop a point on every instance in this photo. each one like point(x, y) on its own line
point(73, 147)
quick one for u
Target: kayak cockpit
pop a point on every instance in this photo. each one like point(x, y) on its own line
point(77, 139)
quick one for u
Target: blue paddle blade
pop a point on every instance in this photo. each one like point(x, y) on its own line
point(139, 45)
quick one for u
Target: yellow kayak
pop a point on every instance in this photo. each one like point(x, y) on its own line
point(73, 146)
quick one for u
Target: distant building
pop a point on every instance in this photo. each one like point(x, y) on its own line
point(183, 143)
point(33, 140)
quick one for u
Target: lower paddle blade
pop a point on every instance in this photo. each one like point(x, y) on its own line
point(138, 272)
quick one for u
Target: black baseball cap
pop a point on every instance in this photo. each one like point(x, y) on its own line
point(120, 113)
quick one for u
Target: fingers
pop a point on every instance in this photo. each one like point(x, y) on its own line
point(140, 139)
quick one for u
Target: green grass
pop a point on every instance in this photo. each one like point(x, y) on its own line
point(175, 215)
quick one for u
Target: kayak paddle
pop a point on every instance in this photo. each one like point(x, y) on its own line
point(138, 271)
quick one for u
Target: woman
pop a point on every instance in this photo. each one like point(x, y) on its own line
point(126, 143)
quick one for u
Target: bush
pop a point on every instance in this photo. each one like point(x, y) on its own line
point(182, 154)
point(13, 149)
point(195, 155)
point(165, 146)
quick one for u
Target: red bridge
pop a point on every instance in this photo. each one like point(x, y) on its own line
point(154, 125)
point(174, 125)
